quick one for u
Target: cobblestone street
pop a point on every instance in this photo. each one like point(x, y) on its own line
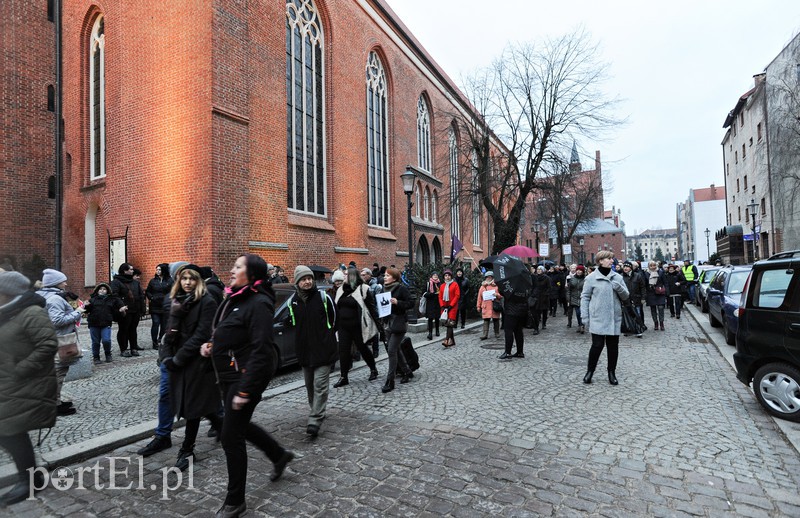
point(471, 436)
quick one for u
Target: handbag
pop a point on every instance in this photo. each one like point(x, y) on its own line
point(497, 306)
point(68, 347)
point(444, 320)
point(631, 324)
point(423, 303)
point(660, 290)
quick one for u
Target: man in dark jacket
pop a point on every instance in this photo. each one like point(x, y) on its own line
point(539, 300)
point(130, 292)
point(676, 285)
point(636, 288)
point(158, 288)
point(313, 315)
point(464, 302)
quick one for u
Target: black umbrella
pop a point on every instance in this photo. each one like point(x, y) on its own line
point(511, 276)
point(488, 261)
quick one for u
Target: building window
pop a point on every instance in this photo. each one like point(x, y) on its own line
point(97, 101)
point(744, 153)
point(476, 202)
point(51, 11)
point(423, 135)
point(377, 156)
point(455, 220)
point(435, 206)
point(741, 119)
point(417, 198)
point(751, 141)
point(736, 157)
point(739, 210)
point(305, 125)
point(758, 131)
point(728, 169)
point(763, 207)
point(51, 98)
point(427, 203)
point(745, 182)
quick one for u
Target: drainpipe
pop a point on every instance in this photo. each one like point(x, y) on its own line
point(58, 137)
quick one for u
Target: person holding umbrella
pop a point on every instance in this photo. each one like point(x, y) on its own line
point(601, 309)
point(514, 281)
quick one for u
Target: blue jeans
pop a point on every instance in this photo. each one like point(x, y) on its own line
point(165, 417)
point(159, 327)
point(98, 335)
point(692, 288)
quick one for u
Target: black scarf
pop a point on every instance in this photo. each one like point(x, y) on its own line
point(604, 271)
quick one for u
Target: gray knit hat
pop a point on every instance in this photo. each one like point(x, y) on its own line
point(52, 278)
point(13, 284)
point(302, 271)
point(173, 267)
point(338, 275)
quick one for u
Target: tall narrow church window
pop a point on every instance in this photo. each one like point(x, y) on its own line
point(97, 101)
point(305, 121)
point(423, 135)
point(455, 220)
point(377, 156)
point(476, 202)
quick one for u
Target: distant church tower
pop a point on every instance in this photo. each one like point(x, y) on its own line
point(574, 161)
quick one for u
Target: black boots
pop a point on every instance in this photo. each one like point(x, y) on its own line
point(588, 378)
point(388, 386)
point(612, 378)
point(159, 443)
point(183, 458)
point(342, 382)
point(280, 465)
point(373, 374)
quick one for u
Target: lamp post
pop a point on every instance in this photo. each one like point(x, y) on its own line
point(409, 179)
point(583, 258)
point(753, 206)
point(707, 232)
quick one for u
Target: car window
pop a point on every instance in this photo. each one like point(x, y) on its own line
point(719, 281)
point(737, 281)
point(707, 275)
point(771, 287)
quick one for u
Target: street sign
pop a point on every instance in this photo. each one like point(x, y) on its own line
point(544, 249)
point(749, 237)
point(567, 249)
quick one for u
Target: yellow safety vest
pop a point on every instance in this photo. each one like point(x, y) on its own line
point(688, 273)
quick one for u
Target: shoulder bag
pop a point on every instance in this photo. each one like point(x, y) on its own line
point(68, 347)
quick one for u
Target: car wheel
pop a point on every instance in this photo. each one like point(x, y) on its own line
point(777, 388)
point(713, 321)
point(730, 337)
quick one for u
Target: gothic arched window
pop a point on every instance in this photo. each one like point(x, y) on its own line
point(455, 220)
point(377, 142)
point(305, 121)
point(423, 135)
point(97, 101)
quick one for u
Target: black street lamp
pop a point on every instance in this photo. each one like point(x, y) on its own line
point(707, 232)
point(753, 206)
point(409, 179)
point(583, 257)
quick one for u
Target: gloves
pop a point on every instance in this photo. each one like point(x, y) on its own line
point(170, 364)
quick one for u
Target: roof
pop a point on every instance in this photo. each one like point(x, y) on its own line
point(736, 109)
point(659, 232)
point(709, 194)
point(597, 226)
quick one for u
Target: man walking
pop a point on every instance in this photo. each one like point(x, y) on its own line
point(690, 274)
point(313, 315)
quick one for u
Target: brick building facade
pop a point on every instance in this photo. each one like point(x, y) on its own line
point(280, 128)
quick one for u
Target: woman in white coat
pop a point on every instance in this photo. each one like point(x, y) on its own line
point(601, 310)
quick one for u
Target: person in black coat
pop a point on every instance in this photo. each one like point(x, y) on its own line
point(213, 283)
point(464, 302)
point(396, 326)
point(192, 387)
point(656, 296)
point(313, 315)
point(130, 292)
point(515, 314)
point(539, 299)
point(102, 309)
point(244, 357)
point(556, 282)
point(432, 308)
point(676, 288)
point(158, 287)
point(636, 288)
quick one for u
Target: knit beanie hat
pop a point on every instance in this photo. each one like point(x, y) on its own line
point(628, 264)
point(173, 267)
point(580, 268)
point(338, 275)
point(489, 273)
point(302, 271)
point(13, 283)
point(52, 278)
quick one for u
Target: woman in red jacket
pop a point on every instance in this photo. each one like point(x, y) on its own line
point(449, 294)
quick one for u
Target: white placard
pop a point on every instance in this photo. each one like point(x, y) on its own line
point(489, 295)
point(384, 301)
point(567, 249)
point(544, 249)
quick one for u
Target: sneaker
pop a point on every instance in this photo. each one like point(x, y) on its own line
point(97, 360)
point(108, 358)
point(159, 443)
point(312, 430)
point(505, 356)
point(135, 352)
point(126, 354)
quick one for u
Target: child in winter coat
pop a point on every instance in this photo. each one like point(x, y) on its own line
point(102, 309)
point(486, 307)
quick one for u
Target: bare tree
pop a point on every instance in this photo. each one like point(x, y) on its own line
point(532, 102)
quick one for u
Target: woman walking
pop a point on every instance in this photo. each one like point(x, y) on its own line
point(601, 309)
point(574, 290)
point(486, 305)
point(192, 387)
point(463, 305)
point(396, 326)
point(432, 308)
point(356, 315)
point(244, 359)
point(27, 378)
point(515, 314)
point(449, 293)
point(656, 295)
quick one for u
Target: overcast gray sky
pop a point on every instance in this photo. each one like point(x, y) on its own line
point(680, 67)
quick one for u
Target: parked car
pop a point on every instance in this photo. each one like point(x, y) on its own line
point(703, 280)
point(283, 333)
point(723, 296)
point(768, 341)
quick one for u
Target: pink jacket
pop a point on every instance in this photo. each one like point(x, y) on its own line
point(485, 306)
